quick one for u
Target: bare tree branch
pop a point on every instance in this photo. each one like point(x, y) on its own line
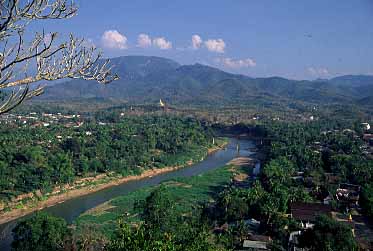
point(51, 59)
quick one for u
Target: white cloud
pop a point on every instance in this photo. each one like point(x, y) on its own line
point(236, 64)
point(144, 41)
point(196, 42)
point(112, 39)
point(215, 45)
point(318, 71)
point(162, 43)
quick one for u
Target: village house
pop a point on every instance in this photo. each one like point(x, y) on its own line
point(256, 242)
point(366, 126)
point(254, 245)
point(306, 213)
point(348, 195)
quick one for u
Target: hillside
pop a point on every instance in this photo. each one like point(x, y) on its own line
point(147, 79)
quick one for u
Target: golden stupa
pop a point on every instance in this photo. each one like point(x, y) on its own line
point(161, 104)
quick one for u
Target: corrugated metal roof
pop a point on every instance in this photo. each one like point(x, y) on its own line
point(255, 244)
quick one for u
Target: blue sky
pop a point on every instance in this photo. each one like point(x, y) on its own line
point(297, 39)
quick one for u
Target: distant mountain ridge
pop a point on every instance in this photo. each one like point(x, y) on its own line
point(147, 79)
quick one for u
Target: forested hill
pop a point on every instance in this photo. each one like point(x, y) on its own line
point(147, 79)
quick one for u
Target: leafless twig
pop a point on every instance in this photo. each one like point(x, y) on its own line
point(51, 59)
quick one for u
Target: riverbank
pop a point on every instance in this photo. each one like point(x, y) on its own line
point(187, 191)
point(99, 184)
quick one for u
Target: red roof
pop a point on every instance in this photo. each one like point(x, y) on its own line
point(308, 211)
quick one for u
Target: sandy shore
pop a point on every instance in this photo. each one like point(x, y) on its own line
point(60, 198)
point(242, 161)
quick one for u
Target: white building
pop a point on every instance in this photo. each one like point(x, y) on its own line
point(366, 126)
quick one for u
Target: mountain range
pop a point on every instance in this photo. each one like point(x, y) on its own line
point(147, 79)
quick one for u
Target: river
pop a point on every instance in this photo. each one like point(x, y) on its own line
point(71, 209)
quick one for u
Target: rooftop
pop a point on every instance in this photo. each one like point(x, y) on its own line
point(257, 245)
point(309, 211)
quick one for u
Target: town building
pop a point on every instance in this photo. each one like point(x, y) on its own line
point(348, 195)
point(306, 213)
point(366, 126)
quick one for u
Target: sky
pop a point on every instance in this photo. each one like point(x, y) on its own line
point(296, 39)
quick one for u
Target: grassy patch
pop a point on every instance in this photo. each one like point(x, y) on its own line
point(187, 192)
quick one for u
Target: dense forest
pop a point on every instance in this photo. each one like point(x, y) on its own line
point(42, 157)
point(300, 158)
point(310, 150)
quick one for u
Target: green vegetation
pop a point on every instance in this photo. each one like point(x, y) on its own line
point(300, 158)
point(166, 217)
point(366, 200)
point(187, 193)
point(312, 147)
point(328, 234)
point(41, 232)
point(303, 161)
point(162, 229)
point(33, 159)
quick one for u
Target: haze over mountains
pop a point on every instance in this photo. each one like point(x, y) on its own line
point(147, 79)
